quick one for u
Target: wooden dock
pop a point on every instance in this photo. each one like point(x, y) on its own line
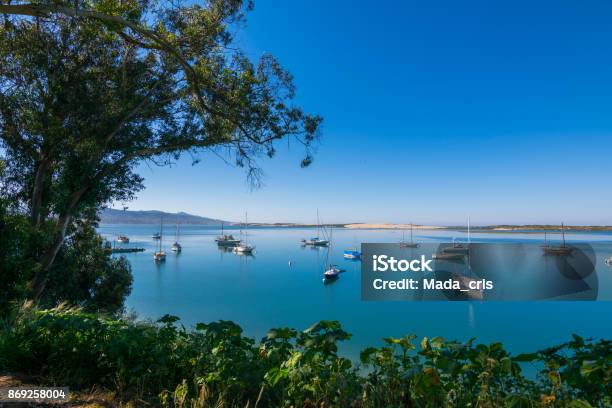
point(119, 250)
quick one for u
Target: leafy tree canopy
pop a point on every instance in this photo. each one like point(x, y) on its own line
point(90, 88)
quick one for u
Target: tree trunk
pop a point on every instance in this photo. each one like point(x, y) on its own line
point(42, 274)
point(37, 191)
point(40, 277)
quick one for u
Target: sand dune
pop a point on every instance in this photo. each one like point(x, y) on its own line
point(391, 226)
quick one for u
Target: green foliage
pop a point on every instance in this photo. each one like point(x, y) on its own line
point(91, 88)
point(84, 274)
point(215, 365)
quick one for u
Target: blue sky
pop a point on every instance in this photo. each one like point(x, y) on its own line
point(433, 111)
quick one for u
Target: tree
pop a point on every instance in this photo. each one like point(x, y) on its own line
point(90, 88)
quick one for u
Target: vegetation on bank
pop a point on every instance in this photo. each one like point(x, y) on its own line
point(214, 364)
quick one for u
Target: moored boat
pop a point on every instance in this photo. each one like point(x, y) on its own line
point(176, 247)
point(411, 244)
point(227, 240)
point(244, 247)
point(317, 241)
point(562, 249)
point(351, 253)
point(160, 254)
point(332, 272)
point(123, 239)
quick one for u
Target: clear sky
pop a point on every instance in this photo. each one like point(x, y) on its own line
point(433, 111)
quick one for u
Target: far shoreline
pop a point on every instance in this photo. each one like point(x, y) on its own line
point(500, 229)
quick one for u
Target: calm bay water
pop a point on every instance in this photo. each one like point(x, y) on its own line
point(281, 286)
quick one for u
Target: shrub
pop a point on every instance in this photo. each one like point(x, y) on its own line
point(216, 365)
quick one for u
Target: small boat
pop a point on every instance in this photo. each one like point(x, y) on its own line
point(351, 253)
point(227, 240)
point(557, 249)
point(460, 248)
point(176, 247)
point(123, 239)
point(608, 261)
point(157, 235)
point(244, 247)
point(160, 255)
point(317, 241)
point(456, 249)
point(442, 256)
point(411, 244)
point(332, 272)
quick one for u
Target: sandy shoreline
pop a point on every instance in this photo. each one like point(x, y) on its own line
point(392, 226)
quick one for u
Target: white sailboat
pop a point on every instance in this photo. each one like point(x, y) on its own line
point(160, 255)
point(244, 247)
point(317, 241)
point(176, 247)
point(332, 271)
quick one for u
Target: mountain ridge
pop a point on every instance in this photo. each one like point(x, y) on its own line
point(114, 216)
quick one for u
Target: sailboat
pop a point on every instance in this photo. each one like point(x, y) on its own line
point(244, 247)
point(459, 248)
point(317, 241)
point(557, 249)
point(160, 255)
point(332, 272)
point(176, 247)
point(411, 244)
point(227, 240)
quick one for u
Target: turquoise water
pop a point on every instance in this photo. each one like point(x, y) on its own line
point(281, 286)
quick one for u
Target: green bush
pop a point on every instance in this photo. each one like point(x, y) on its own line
point(215, 365)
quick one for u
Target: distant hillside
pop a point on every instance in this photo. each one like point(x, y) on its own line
point(112, 216)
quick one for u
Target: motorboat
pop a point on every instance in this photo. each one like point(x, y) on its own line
point(351, 253)
point(227, 240)
point(123, 239)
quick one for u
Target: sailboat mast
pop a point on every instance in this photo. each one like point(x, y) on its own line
point(246, 229)
point(411, 232)
point(161, 232)
point(563, 234)
point(469, 238)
